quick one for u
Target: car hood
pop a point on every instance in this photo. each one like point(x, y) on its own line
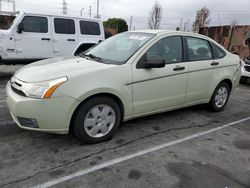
point(58, 67)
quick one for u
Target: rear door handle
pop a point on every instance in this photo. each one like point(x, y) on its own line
point(71, 40)
point(214, 63)
point(46, 39)
point(178, 68)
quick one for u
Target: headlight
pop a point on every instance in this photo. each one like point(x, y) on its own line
point(42, 90)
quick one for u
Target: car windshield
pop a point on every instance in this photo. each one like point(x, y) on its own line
point(118, 49)
point(6, 21)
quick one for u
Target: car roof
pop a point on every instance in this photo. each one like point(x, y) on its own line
point(61, 16)
point(165, 32)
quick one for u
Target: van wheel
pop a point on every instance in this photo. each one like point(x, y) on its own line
point(220, 97)
point(97, 120)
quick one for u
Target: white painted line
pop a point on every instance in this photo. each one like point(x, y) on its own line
point(2, 101)
point(133, 155)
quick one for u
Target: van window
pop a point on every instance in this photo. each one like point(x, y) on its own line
point(35, 24)
point(89, 28)
point(198, 49)
point(64, 26)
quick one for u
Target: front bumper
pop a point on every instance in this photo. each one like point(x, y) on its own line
point(52, 115)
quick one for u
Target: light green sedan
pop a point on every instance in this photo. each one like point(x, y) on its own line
point(130, 75)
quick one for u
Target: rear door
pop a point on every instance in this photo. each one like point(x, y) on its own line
point(64, 36)
point(35, 40)
point(200, 69)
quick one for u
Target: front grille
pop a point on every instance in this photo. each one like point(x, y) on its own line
point(19, 92)
point(16, 86)
point(247, 68)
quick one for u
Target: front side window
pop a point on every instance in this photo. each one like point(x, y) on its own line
point(35, 24)
point(119, 48)
point(89, 28)
point(169, 49)
point(198, 49)
point(64, 26)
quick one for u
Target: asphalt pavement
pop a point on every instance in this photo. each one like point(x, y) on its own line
point(187, 148)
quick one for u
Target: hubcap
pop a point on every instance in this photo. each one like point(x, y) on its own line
point(221, 97)
point(99, 121)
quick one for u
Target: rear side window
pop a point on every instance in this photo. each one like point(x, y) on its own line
point(64, 26)
point(89, 28)
point(35, 24)
point(218, 52)
point(198, 49)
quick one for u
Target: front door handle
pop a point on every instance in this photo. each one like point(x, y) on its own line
point(46, 39)
point(178, 68)
point(214, 63)
point(71, 40)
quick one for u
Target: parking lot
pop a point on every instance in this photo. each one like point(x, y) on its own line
point(191, 147)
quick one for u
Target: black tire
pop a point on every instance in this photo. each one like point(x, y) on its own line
point(84, 109)
point(212, 103)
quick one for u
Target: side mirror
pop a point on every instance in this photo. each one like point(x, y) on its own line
point(148, 64)
point(20, 28)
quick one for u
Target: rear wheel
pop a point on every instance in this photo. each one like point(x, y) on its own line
point(220, 97)
point(97, 119)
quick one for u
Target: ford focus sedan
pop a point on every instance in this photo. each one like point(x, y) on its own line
point(130, 75)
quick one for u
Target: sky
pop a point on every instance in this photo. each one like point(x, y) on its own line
point(223, 12)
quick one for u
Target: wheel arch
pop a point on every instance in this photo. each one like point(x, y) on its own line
point(229, 82)
point(106, 94)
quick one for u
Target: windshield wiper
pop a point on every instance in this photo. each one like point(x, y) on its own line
point(92, 57)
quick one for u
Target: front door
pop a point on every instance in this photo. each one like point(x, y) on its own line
point(157, 89)
point(34, 42)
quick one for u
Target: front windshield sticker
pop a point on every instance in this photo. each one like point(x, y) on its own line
point(137, 37)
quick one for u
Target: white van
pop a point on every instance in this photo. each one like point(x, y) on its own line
point(38, 36)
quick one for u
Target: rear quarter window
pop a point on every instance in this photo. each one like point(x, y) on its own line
point(217, 51)
point(90, 28)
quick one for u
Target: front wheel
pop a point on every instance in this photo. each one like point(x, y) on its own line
point(220, 97)
point(97, 119)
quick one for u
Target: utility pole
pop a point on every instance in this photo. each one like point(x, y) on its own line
point(90, 11)
point(97, 10)
point(130, 23)
point(65, 7)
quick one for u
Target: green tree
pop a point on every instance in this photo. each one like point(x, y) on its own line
point(116, 23)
